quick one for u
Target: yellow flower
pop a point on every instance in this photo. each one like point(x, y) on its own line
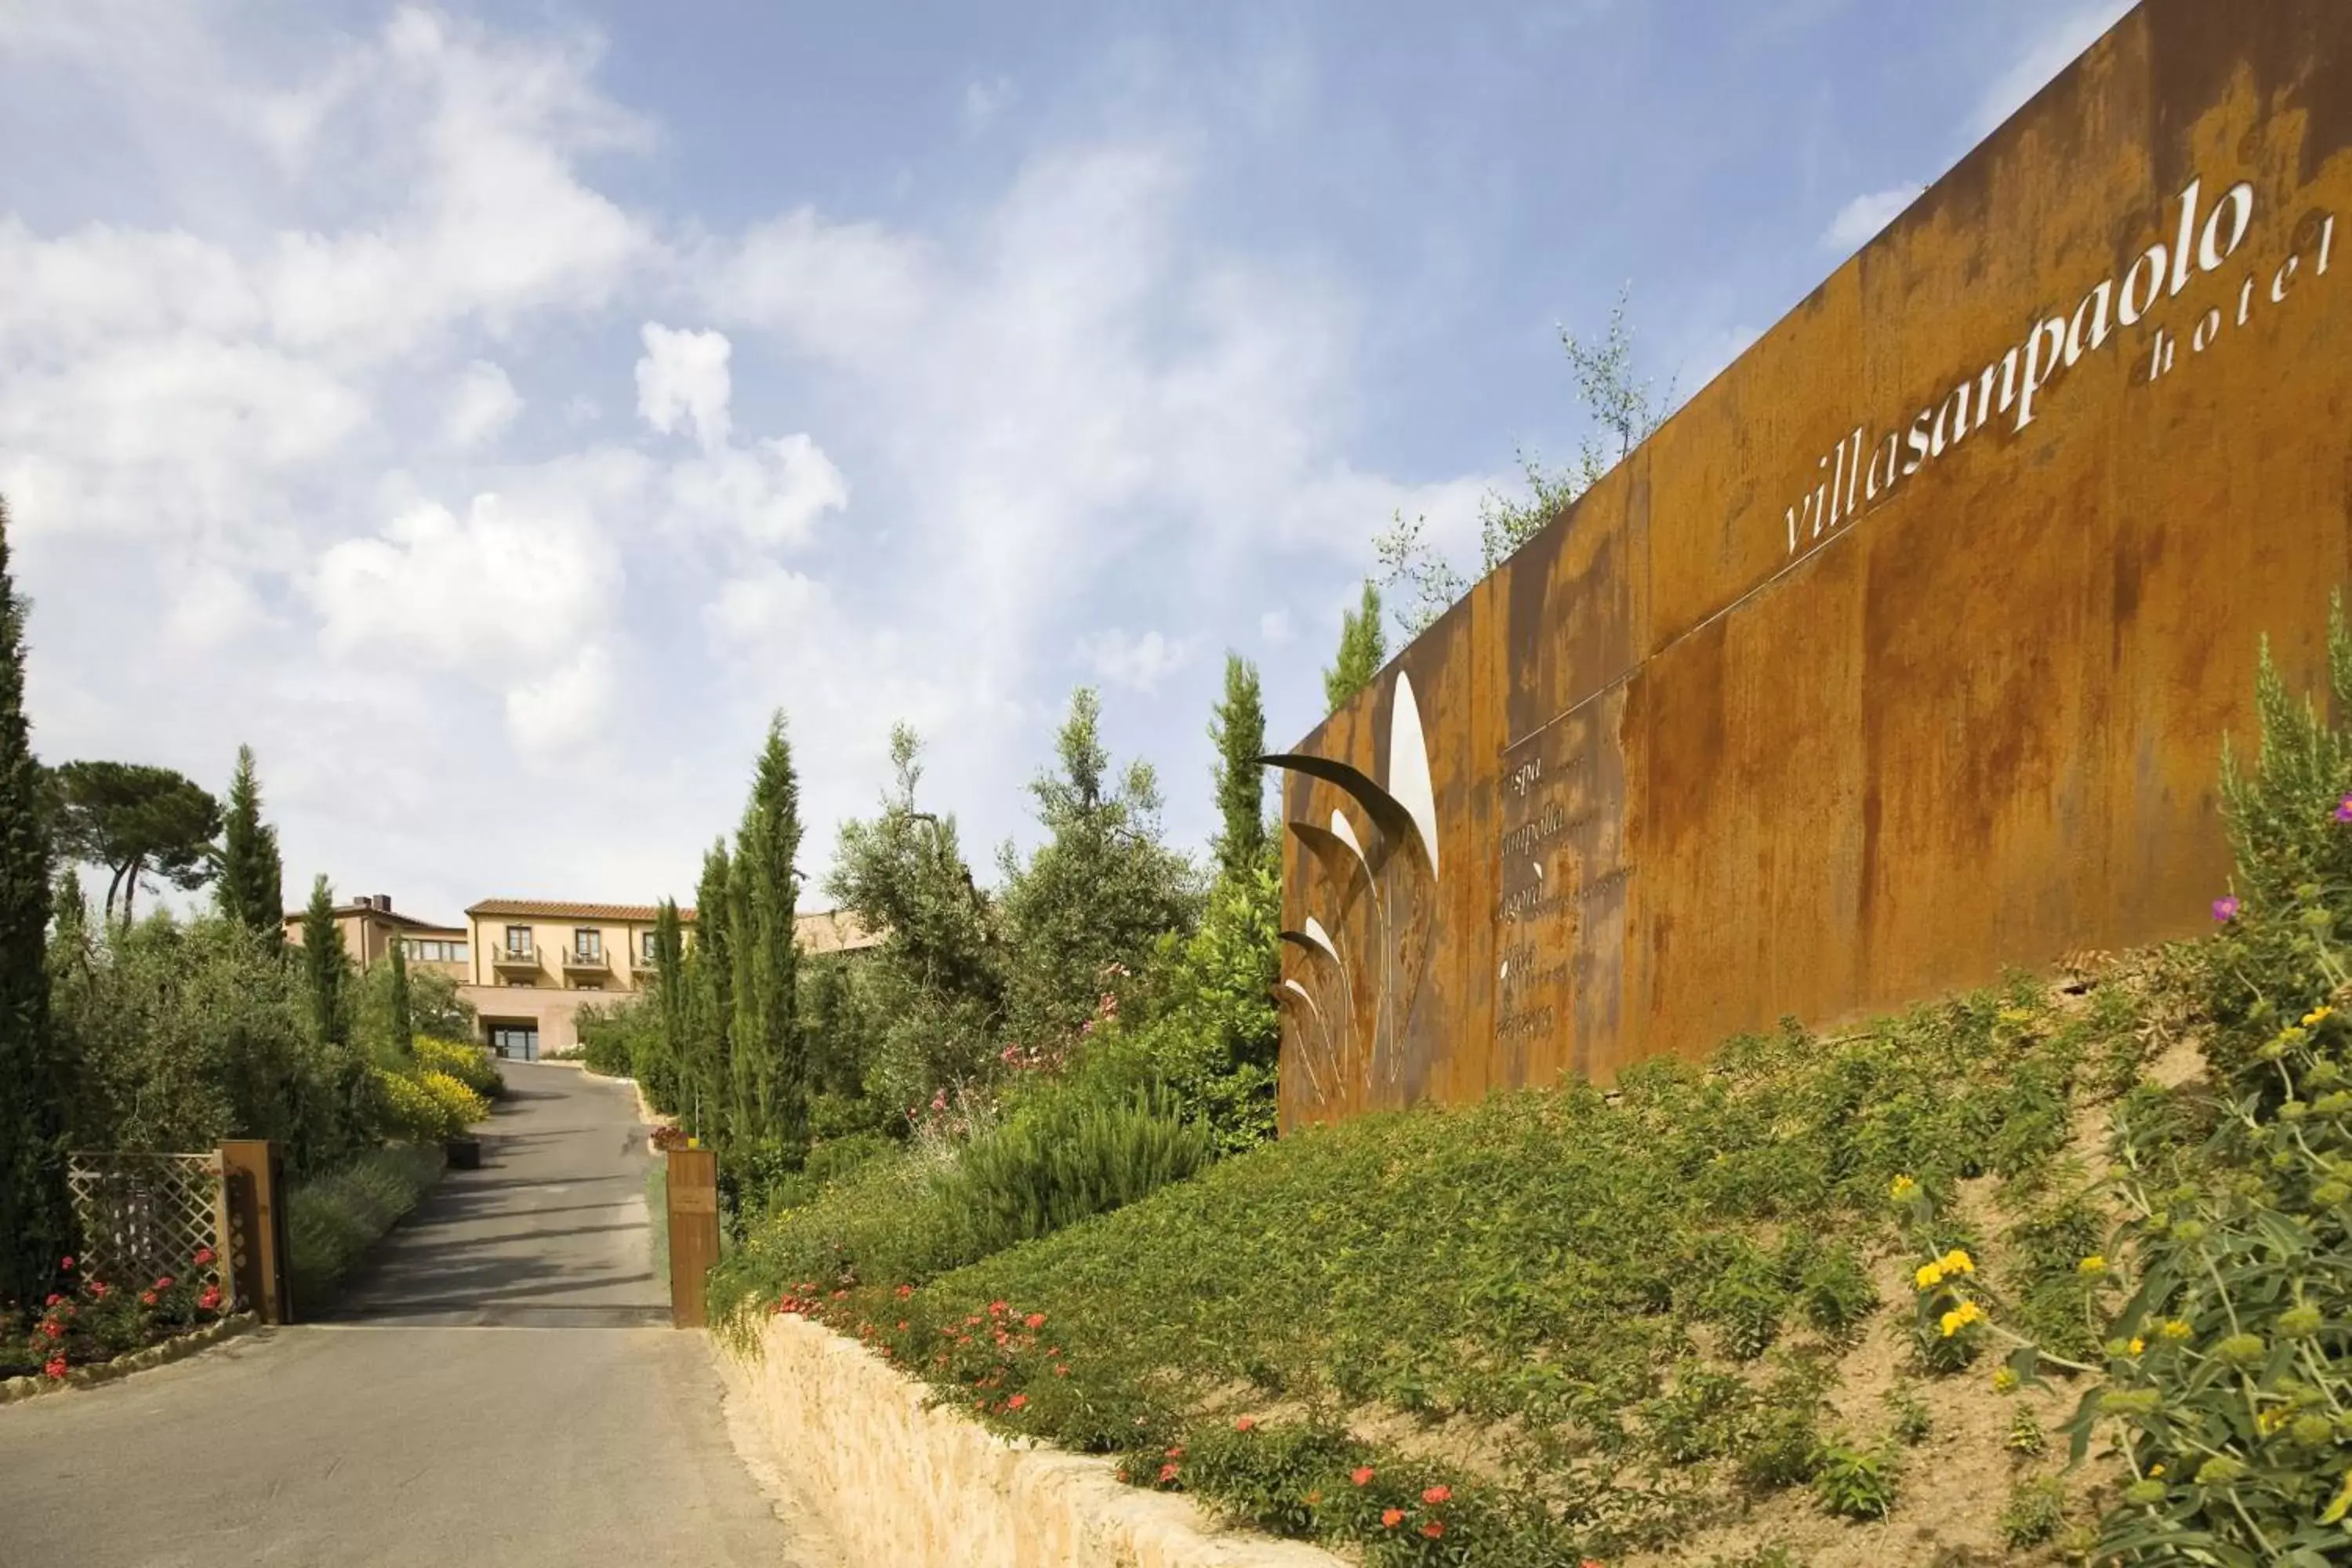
point(1959, 1318)
point(1904, 1190)
point(2270, 1420)
point(1929, 1276)
point(1957, 1262)
point(2173, 1329)
point(2137, 1344)
point(2094, 1263)
point(2316, 1016)
point(2155, 1471)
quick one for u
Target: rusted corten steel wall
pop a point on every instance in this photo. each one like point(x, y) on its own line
point(1901, 653)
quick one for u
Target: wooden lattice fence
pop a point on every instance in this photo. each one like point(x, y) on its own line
point(144, 1216)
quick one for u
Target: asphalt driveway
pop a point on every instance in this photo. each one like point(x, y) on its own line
point(493, 1390)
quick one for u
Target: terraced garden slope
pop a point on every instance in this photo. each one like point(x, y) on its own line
point(2054, 1272)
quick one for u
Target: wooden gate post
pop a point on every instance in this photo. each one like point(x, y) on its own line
point(693, 1233)
point(254, 1172)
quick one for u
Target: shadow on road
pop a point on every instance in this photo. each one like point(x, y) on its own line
point(552, 1231)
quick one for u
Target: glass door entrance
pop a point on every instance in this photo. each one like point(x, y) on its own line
point(516, 1042)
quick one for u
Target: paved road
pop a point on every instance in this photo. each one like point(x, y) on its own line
point(487, 1395)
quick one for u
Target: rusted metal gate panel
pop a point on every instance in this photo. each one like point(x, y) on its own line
point(693, 1233)
point(1903, 652)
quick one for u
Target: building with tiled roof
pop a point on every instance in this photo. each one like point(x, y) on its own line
point(529, 965)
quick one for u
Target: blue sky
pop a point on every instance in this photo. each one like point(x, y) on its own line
point(491, 412)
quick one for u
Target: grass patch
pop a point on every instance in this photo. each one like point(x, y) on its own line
point(332, 1219)
point(658, 1217)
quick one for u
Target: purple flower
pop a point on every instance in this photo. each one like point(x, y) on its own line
point(2225, 908)
point(2343, 809)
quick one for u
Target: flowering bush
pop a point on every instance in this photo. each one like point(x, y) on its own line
point(429, 1106)
point(470, 1065)
point(97, 1320)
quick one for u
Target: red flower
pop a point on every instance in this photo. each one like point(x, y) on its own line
point(1436, 1495)
point(55, 1366)
point(52, 1300)
point(1362, 1478)
point(1061, 1370)
point(163, 1282)
point(998, 1308)
point(905, 1291)
point(146, 1298)
point(1033, 1321)
point(1167, 1473)
point(1177, 1452)
point(1017, 1401)
point(1245, 1424)
point(210, 1300)
point(1434, 1529)
point(66, 1264)
point(204, 1256)
point(1392, 1516)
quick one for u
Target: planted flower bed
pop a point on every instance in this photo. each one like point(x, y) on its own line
point(99, 1320)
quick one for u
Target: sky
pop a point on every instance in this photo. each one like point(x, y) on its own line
point(492, 413)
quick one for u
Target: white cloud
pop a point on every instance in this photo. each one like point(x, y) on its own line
point(840, 290)
point(1140, 662)
point(2065, 33)
point(1859, 221)
point(984, 100)
point(565, 708)
point(683, 380)
point(769, 496)
point(484, 404)
point(501, 582)
point(1274, 628)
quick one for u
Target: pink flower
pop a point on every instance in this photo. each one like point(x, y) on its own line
point(55, 1366)
point(2343, 809)
point(2225, 908)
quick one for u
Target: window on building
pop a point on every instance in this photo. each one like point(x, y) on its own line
point(646, 949)
point(588, 942)
point(433, 950)
point(518, 939)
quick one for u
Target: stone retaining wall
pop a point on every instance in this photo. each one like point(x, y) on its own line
point(899, 1485)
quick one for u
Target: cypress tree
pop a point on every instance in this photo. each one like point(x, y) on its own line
point(743, 1065)
point(1363, 648)
point(669, 998)
point(35, 1217)
point(326, 967)
point(1238, 729)
point(711, 998)
point(770, 1049)
point(403, 1014)
point(252, 885)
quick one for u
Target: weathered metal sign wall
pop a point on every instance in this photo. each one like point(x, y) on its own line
point(1903, 652)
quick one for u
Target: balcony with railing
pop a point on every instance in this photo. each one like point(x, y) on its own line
point(579, 964)
point(513, 960)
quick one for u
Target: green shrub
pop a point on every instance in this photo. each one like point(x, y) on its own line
point(2035, 1512)
point(332, 1219)
point(1032, 1175)
point(1857, 1483)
